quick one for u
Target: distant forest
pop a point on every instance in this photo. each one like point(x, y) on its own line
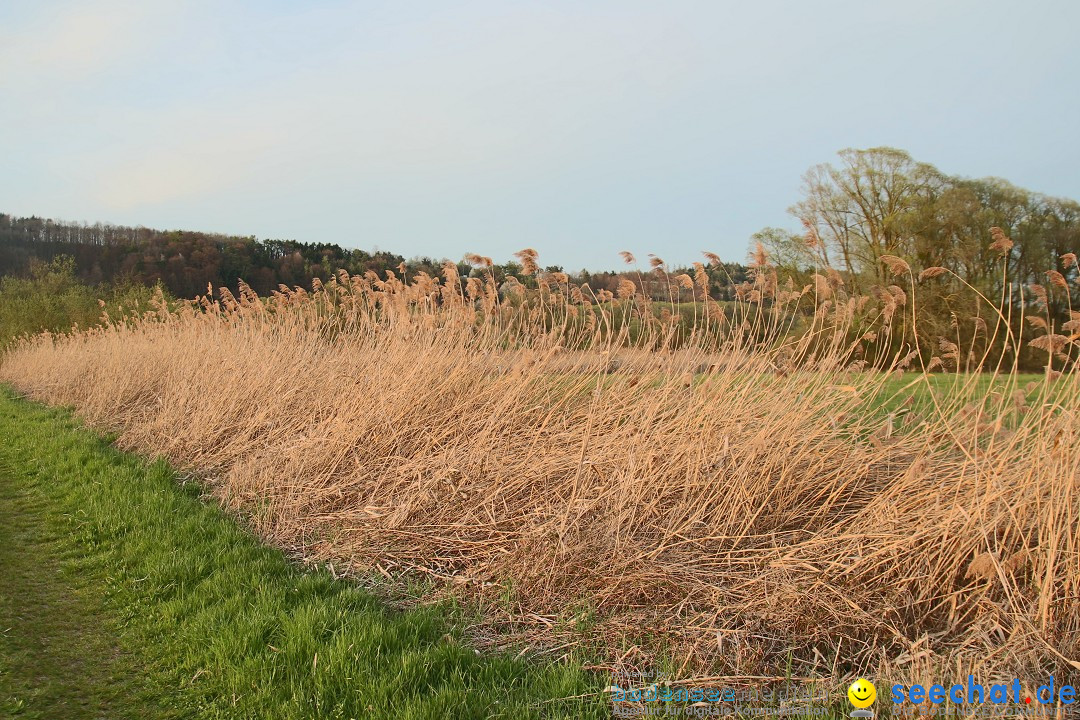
point(185, 261)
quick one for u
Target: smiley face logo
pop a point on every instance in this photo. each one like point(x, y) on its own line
point(862, 693)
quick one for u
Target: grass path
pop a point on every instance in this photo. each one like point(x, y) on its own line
point(57, 656)
point(122, 595)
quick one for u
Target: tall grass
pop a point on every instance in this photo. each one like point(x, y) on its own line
point(735, 500)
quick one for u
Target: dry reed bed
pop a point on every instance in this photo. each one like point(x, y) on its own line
point(745, 518)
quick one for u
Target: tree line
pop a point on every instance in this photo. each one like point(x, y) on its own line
point(961, 237)
point(184, 262)
point(881, 202)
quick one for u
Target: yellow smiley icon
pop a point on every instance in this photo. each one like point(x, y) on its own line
point(862, 693)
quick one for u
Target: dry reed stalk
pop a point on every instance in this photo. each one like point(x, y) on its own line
point(413, 425)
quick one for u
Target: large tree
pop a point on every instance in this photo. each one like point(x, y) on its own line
point(866, 207)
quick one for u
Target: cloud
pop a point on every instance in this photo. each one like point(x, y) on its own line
point(495, 103)
point(71, 42)
point(202, 167)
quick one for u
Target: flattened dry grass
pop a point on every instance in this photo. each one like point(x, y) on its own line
point(735, 498)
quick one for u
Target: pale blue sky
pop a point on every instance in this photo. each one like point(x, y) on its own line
point(578, 128)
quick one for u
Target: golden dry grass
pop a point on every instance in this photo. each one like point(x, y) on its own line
point(735, 503)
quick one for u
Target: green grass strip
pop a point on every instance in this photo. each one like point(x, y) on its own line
point(123, 594)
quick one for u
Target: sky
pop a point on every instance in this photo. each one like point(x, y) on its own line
point(576, 128)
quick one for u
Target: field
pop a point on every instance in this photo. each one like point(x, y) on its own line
point(764, 494)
